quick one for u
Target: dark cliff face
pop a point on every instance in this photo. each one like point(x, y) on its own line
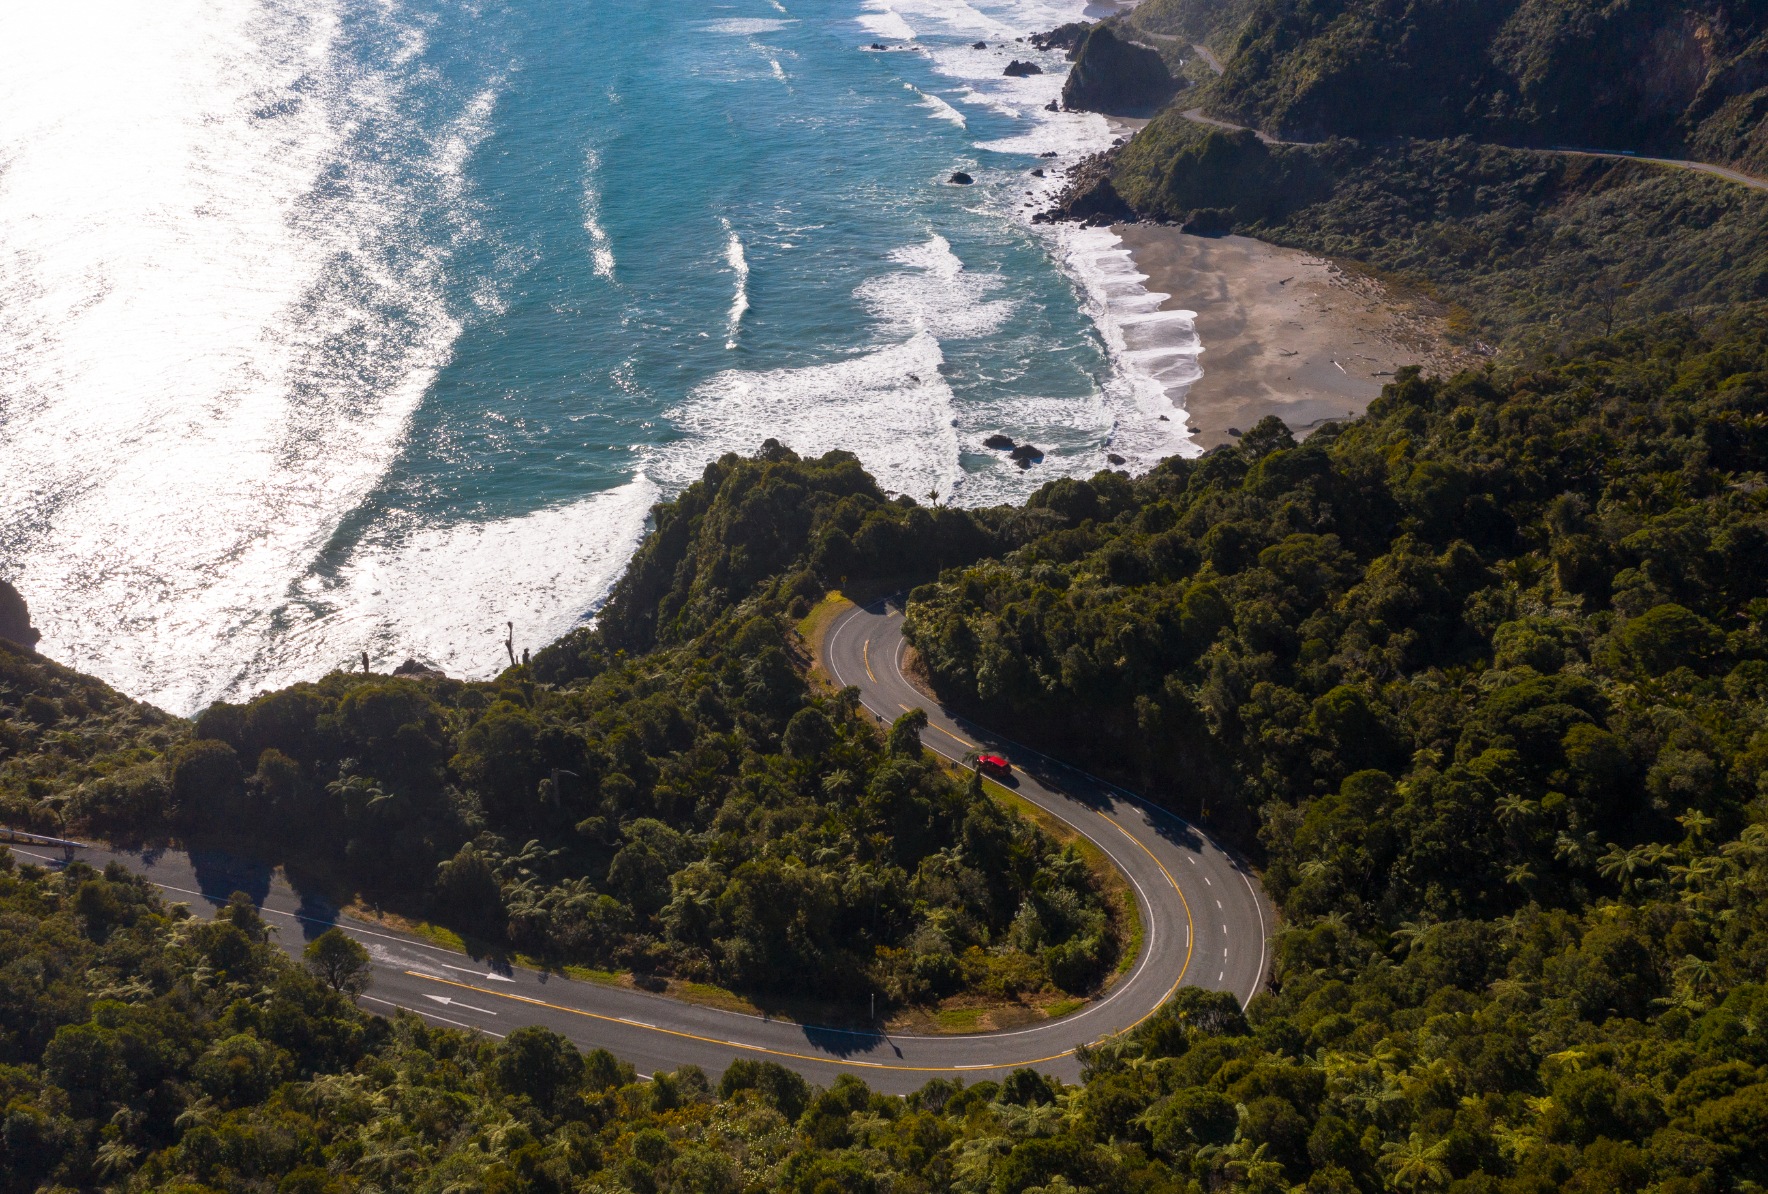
point(15, 618)
point(1117, 77)
point(1063, 37)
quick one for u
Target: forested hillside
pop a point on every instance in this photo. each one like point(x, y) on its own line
point(1487, 589)
point(1486, 672)
point(1525, 250)
point(664, 795)
point(1659, 76)
point(1212, 23)
point(1483, 672)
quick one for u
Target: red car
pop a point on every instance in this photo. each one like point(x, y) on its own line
point(994, 765)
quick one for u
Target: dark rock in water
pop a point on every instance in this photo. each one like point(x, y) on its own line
point(15, 619)
point(877, 45)
point(1019, 70)
point(960, 178)
point(1063, 37)
point(981, 45)
point(1234, 431)
point(997, 440)
point(1048, 153)
point(1052, 106)
point(412, 667)
point(1038, 173)
point(1114, 458)
point(1025, 455)
point(1117, 77)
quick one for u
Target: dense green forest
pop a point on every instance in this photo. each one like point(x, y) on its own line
point(1212, 23)
point(1657, 76)
point(665, 794)
point(1491, 590)
point(1484, 673)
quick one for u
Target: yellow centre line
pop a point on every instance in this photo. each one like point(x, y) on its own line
point(866, 656)
point(712, 1040)
point(1190, 925)
point(1190, 934)
point(955, 738)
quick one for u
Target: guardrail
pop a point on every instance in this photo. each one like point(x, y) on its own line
point(27, 838)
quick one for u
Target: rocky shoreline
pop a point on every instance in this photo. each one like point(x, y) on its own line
point(1087, 196)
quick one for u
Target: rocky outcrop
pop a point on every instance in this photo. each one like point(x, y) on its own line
point(1063, 37)
point(1088, 196)
point(1117, 77)
point(959, 178)
point(15, 619)
point(1019, 70)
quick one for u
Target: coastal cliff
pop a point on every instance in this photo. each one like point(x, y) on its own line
point(15, 619)
point(1117, 77)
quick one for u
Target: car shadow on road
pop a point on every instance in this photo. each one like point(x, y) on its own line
point(1084, 789)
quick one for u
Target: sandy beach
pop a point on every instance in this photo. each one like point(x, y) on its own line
point(1283, 332)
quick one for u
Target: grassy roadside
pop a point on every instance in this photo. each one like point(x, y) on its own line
point(813, 627)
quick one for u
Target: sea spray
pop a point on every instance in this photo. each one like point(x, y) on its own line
point(309, 334)
point(226, 274)
point(601, 248)
point(738, 264)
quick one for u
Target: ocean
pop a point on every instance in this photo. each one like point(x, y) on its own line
point(343, 326)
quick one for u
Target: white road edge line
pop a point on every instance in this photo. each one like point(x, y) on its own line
point(425, 1012)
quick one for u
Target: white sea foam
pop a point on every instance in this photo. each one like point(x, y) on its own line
point(881, 20)
point(1155, 351)
point(890, 407)
point(208, 357)
point(940, 109)
point(779, 72)
point(947, 16)
point(738, 263)
point(746, 26)
point(601, 248)
point(443, 594)
point(934, 294)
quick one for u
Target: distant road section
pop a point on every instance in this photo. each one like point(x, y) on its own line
point(1198, 116)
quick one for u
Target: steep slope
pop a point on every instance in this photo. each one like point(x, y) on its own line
point(1661, 76)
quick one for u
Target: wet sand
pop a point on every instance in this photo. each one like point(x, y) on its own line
point(1283, 332)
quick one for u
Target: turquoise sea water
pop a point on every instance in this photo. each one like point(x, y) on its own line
point(330, 326)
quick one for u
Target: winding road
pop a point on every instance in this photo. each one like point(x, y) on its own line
point(1198, 116)
point(1204, 923)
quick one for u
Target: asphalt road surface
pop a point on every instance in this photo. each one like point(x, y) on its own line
point(1204, 922)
